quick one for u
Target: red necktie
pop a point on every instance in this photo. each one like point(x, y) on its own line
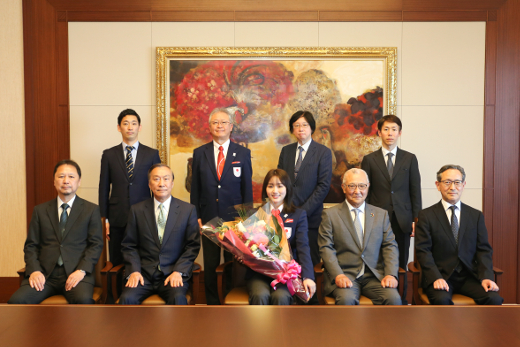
point(221, 161)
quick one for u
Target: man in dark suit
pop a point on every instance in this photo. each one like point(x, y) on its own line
point(123, 180)
point(452, 246)
point(357, 245)
point(160, 244)
point(222, 178)
point(395, 185)
point(63, 244)
point(309, 165)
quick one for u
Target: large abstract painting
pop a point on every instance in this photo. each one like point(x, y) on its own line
point(346, 89)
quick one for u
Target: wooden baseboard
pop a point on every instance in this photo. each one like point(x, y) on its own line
point(8, 285)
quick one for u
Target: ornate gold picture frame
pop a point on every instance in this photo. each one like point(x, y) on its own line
point(346, 88)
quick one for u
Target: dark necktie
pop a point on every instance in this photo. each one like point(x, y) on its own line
point(454, 224)
point(298, 162)
point(221, 161)
point(129, 161)
point(63, 223)
point(390, 164)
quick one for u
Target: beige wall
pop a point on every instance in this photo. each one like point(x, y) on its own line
point(12, 139)
point(440, 83)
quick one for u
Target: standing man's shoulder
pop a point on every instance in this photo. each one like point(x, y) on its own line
point(321, 148)
point(145, 148)
point(471, 210)
point(114, 149)
point(182, 204)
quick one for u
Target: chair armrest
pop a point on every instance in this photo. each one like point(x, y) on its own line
point(104, 281)
point(498, 275)
point(221, 280)
point(416, 272)
point(318, 274)
point(114, 274)
point(195, 283)
point(21, 275)
point(401, 277)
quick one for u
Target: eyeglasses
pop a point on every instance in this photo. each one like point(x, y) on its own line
point(216, 122)
point(361, 186)
point(303, 125)
point(448, 183)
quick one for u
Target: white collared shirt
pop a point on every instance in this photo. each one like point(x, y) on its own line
point(447, 209)
point(134, 151)
point(166, 206)
point(225, 145)
point(385, 154)
point(361, 214)
point(305, 149)
point(60, 210)
point(279, 208)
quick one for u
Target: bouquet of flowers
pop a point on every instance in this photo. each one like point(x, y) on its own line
point(260, 241)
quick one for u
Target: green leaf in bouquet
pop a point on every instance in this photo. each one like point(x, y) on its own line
point(276, 239)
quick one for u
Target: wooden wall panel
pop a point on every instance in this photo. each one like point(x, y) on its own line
point(46, 83)
point(507, 141)
point(193, 16)
point(444, 16)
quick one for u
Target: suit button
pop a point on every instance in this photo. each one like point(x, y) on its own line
point(392, 192)
point(219, 187)
point(216, 200)
point(130, 183)
point(362, 255)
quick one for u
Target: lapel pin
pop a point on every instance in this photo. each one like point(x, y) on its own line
point(285, 215)
point(234, 154)
point(371, 215)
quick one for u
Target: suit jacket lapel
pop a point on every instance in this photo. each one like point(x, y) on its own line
point(380, 161)
point(150, 220)
point(463, 223)
point(445, 223)
point(74, 213)
point(347, 219)
point(52, 211)
point(229, 158)
point(291, 159)
point(210, 157)
point(369, 221)
point(398, 162)
point(121, 160)
point(172, 219)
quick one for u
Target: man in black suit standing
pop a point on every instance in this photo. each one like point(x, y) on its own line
point(309, 165)
point(395, 185)
point(452, 246)
point(123, 180)
point(160, 244)
point(221, 179)
point(63, 244)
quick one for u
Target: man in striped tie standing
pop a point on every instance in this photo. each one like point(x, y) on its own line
point(221, 179)
point(123, 179)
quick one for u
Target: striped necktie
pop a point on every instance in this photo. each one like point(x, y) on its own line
point(129, 161)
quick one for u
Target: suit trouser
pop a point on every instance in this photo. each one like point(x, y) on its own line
point(403, 243)
point(54, 285)
point(211, 253)
point(315, 257)
point(171, 295)
point(114, 245)
point(369, 286)
point(261, 292)
point(466, 284)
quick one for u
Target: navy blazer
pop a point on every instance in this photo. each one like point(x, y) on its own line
point(115, 204)
point(213, 197)
point(437, 251)
point(299, 241)
point(313, 182)
point(142, 250)
point(400, 193)
point(80, 246)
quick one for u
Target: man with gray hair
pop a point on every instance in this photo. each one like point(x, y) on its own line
point(452, 246)
point(358, 247)
point(221, 179)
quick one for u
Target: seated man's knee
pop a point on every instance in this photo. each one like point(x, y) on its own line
point(345, 297)
point(259, 298)
point(82, 300)
point(440, 297)
point(392, 297)
point(280, 297)
point(128, 298)
point(493, 298)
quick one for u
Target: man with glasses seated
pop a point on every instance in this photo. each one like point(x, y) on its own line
point(452, 246)
point(358, 248)
point(221, 178)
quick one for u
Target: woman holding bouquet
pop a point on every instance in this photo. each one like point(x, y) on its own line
point(277, 190)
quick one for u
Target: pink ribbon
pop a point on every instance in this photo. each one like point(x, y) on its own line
point(290, 271)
